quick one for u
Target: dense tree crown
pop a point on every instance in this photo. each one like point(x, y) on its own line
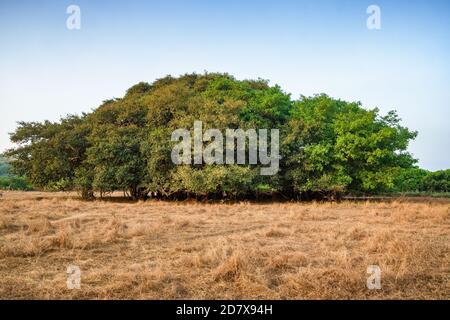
point(326, 145)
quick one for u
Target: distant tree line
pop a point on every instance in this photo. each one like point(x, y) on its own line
point(9, 181)
point(327, 146)
point(419, 180)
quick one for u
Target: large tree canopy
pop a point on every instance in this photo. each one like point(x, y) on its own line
point(326, 145)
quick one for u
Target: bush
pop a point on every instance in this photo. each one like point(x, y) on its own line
point(14, 183)
point(419, 180)
point(438, 181)
point(410, 180)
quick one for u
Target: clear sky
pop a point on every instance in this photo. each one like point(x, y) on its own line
point(307, 47)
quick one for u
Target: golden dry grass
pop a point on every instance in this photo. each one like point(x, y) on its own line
point(164, 250)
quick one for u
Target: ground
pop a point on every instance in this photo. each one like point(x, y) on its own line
point(189, 250)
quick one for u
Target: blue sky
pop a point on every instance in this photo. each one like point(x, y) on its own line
point(307, 47)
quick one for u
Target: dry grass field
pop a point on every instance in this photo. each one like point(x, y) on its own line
point(169, 250)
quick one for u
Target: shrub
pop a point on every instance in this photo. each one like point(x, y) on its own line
point(14, 183)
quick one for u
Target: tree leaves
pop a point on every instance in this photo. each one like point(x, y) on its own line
point(327, 145)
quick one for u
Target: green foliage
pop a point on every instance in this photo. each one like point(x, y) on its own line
point(49, 153)
point(418, 180)
point(4, 167)
point(224, 181)
point(410, 180)
point(327, 145)
point(438, 181)
point(332, 145)
point(14, 183)
point(9, 181)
